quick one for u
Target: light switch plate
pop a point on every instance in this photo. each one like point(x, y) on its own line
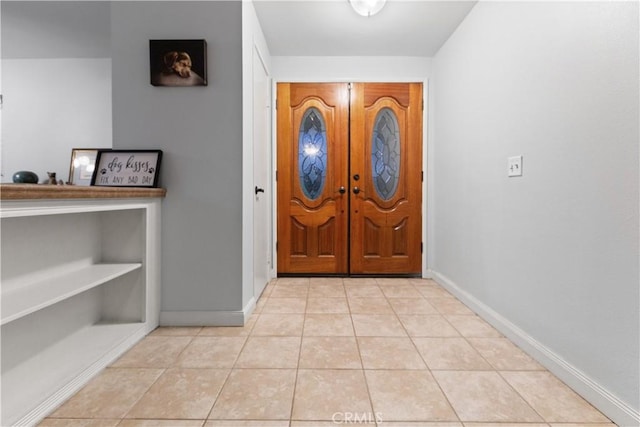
point(515, 166)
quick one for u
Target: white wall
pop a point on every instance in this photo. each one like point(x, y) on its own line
point(350, 68)
point(551, 257)
point(45, 116)
point(200, 131)
point(56, 84)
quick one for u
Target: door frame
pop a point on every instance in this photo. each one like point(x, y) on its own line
point(426, 272)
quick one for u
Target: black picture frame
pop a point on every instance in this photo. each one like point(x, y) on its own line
point(127, 168)
point(178, 62)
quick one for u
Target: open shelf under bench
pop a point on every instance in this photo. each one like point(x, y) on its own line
point(24, 296)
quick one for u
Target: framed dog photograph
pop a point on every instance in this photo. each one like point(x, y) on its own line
point(178, 62)
point(127, 168)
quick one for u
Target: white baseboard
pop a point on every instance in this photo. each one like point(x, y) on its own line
point(614, 408)
point(249, 309)
point(207, 318)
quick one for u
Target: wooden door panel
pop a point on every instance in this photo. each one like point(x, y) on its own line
point(400, 238)
point(313, 240)
point(387, 231)
point(312, 213)
point(386, 222)
point(316, 229)
point(399, 92)
point(298, 234)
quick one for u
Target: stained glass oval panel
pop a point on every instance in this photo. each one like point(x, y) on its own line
point(385, 154)
point(312, 153)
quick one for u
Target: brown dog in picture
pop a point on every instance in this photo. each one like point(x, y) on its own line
point(179, 63)
point(177, 71)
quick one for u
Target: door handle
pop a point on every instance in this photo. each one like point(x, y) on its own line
point(259, 190)
point(342, 190)
point(356, 190)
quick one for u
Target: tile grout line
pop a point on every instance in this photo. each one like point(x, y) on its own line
point(366, 381)
point(493, 368)
point(522, 397)
point(228, 376)
point(429, 369)
point(124, 417)
point(164, 370)
point(295, 381)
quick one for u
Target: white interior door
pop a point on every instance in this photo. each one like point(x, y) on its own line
point(261, 168)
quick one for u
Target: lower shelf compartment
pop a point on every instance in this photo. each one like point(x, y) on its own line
point(64, 366)
point(42, 290)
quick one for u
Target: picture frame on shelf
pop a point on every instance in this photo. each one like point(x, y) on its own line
point(127, 168)
point(178, 62)
point(83, 162)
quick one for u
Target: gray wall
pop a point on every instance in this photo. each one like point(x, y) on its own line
point(200, 131)
point(555, 251)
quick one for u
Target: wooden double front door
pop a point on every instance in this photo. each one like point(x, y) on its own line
point(349, 178)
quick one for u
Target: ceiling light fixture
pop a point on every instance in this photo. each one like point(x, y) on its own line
point(367, 7)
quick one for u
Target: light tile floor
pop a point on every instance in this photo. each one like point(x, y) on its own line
point(326, 352)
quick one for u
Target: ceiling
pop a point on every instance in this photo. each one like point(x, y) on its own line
point(332, 27)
